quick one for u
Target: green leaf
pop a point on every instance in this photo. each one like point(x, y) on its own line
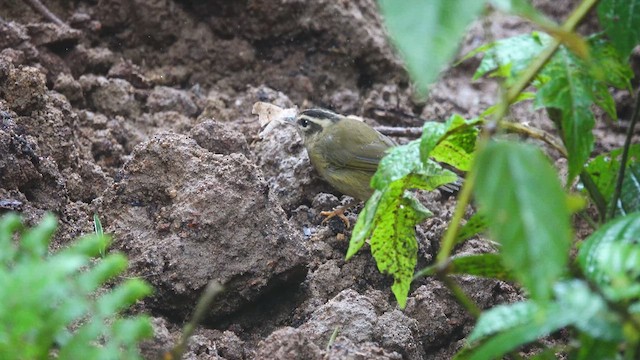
point(476, 224)
point(106, 269)
point(589, 348)
point(393, 242)
point(504, 328)
point(428, 33)
point(587, 310)
point(452, 142)
point(604, 172)
point(97, 226)
point(621, 22)
point(123, 296)
point(402, 161)
point(483, 265)
point(59, 315)
point(569, 89)
point(519, 193)
point(607, 69)
point(88, 245)
point(35, 241)
point(9, 224)
point(507, 58)
point(610, 257)
point(364, 226)
point(629, 200)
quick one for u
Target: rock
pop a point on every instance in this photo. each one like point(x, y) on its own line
point(188, 216)
point(110, 96)
point(13, 34)
point(286, 165)
point(163, 98)
point(219, 138)
point(127, 70)
point(440, 319)
point(19, 161)
point(50, 34)
point(353, 314)
point(288, 344)
point(396, 332)
point(69, 87)
point(346, 349)
point(24, 89)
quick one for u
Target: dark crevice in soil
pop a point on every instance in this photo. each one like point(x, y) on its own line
point(279, 302)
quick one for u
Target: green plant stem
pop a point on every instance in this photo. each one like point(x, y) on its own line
point(332, 339)
point(595, 194)
point(625, 157)
point(449, 240)
point(507, 98)
point(460, 295)
point(212, 290)
point(569, 25)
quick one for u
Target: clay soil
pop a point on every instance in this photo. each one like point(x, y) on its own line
point(140, 112)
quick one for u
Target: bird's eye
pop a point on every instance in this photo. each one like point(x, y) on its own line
point(303, 122)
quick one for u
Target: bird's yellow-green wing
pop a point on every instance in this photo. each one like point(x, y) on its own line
point(352, 144)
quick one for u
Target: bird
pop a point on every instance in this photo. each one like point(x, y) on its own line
point(344, 151)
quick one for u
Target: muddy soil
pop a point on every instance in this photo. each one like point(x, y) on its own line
point(140, 111)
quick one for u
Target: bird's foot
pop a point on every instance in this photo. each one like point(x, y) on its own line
point(339, 212)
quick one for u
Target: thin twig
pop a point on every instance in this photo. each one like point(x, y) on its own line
point(412, 132)
point(44, 11)
point(460, 295)
point(625, 156)
point(536, 134)
point(212, 290)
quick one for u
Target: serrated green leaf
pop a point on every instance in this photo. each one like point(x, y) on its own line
point(452, 142)
point(607, 69)
point(587, 310)
point(476, 224)
point(364, 226)
point(609, 257)
point(508, 57)
point(393, 243)
point(518, 191)
point(104, 270)
point(60, 300)
point(428, 33)
point(484, 265)
point(123, 296)
point(621, 22)
point(129, 331)
point(570, 89)
point(503, 328)
point(608, 66)
point(402, 161)
point(88, 245)
point(604, 169)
